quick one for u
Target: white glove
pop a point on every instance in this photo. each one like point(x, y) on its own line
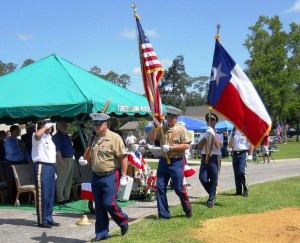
point(49, 125)
point(206, 135)
point(229, 149)
point(210, 131)
point(123, 181)
point(82, 161)
point(249, 157)
point(166, 148)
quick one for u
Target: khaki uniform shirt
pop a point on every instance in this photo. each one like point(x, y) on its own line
point(106, 152)
point(178, 134)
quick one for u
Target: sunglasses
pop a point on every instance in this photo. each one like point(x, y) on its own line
point(172, 115)
point(98, 123)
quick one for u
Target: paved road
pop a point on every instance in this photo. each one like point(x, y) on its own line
point(20, 226)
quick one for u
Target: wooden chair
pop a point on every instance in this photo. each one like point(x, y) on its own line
point(23, 174)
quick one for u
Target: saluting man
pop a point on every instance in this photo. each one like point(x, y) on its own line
point(240, 146)
point(109, 165)
point(44, 159)
point(210, 144)
point(174, 144)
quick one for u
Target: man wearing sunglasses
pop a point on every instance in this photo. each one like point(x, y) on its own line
point(109, 165)
point(174, 142)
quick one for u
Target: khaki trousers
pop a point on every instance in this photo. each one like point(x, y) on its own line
point(64, 173)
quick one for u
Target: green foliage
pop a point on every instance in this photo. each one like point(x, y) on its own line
point(121, 80)
point(7, 67)
point(176, 83)
point(274, 66)
point(27, 62)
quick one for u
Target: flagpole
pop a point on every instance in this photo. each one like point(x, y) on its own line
point(151, 86)
point(208, 148)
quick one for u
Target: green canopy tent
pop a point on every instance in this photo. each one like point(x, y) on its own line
point(55, 87)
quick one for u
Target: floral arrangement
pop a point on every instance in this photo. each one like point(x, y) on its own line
point(144, 184)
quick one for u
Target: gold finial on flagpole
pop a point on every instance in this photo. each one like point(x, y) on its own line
point(218, 31)
point(133, 6)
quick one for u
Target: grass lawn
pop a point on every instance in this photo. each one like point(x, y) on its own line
point(264, 197)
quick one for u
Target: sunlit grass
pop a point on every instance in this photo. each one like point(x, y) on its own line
point(263, 197)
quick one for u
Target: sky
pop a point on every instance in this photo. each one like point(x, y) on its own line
point(103, 32)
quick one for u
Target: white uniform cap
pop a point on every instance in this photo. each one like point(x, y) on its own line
point(173, 110)
point(99, 117)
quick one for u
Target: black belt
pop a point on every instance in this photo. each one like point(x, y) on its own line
point(44, 163)
point(102, 174)
point(67, 157)
point(240, 152)
point(175, 157)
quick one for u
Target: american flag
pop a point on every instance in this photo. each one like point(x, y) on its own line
point(278, 132)
point(152, 72)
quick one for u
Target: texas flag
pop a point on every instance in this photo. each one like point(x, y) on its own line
point(233, 95)
point(86, 191)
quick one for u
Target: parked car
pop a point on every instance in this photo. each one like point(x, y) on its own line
point(290, 132)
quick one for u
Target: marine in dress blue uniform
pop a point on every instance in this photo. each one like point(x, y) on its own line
point(241, 151)
point(109, 165)
point(44, 158)
point(210, 144)
point(171, 163)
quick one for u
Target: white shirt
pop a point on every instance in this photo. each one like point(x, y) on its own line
point(240, 141)
point(131, 139)
point(44, 149)
point(214, 150)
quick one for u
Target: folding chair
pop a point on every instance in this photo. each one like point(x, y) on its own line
point(23, 174)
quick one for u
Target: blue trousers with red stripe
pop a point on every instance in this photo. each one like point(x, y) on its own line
point(105, 197)
point(44, 180)
point(165, 171)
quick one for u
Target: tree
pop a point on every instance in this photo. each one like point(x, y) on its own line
point(294, 72)
point(269, 67)
point(123, 80)
point(7, 68)
point(96, 71)
point(175, 86)
point(27, 62)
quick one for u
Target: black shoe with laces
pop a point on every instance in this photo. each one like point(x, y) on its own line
point(54, 223)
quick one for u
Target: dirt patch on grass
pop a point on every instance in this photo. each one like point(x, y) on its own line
point(275, 226)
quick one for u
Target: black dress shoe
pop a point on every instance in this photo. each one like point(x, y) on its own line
point(96, 239)
point(210, 204)
point(124, 229)
point(188, 214)
point(69, 200)
point(162, 217)
point(245, 194)
point(46, 226)
point(238, 194)
point(62, 202)
point(54, 223)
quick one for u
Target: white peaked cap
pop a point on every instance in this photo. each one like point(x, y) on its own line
point(173, 110)
point(99, 117)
